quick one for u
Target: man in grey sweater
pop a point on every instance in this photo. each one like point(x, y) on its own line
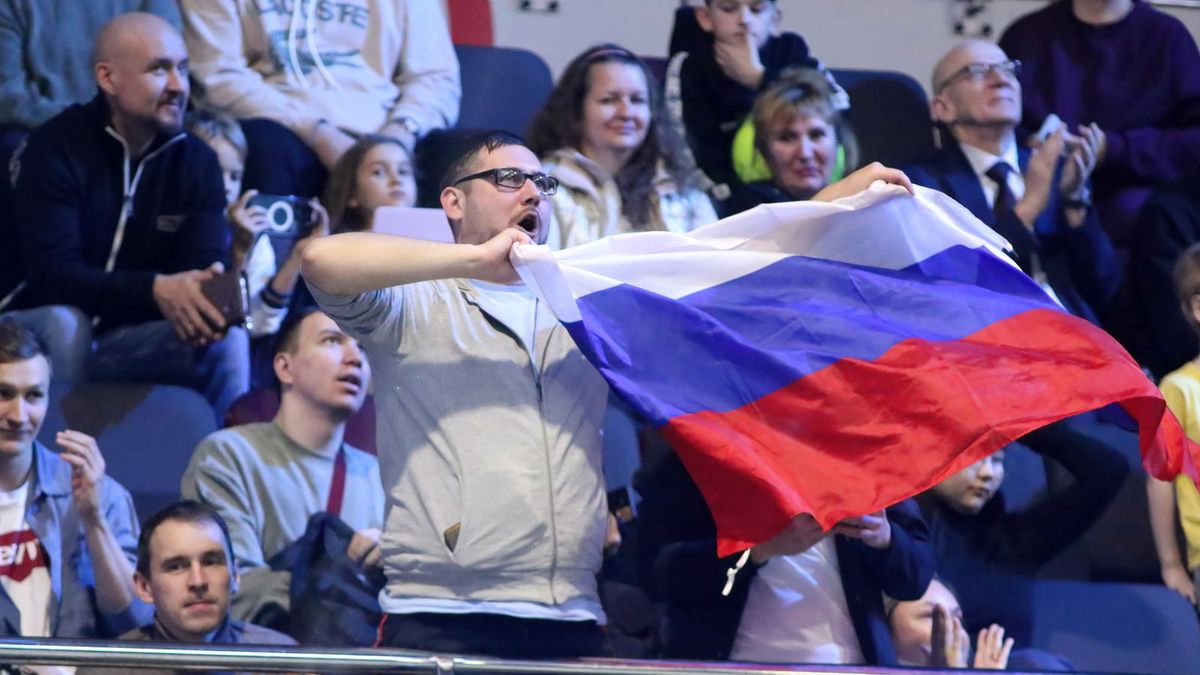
point(268, 479)
point(489, 422)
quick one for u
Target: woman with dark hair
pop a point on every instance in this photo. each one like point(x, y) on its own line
point(621, 169)
point(801, 137)
point(376, 171)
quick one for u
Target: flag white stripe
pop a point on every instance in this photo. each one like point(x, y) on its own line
point(879, 227)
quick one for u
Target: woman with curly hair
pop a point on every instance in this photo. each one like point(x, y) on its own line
point(621, 169)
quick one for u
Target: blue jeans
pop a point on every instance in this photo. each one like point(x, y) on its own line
point(66, 333)
point(152, 352)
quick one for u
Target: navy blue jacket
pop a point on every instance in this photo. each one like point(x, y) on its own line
point(990, 558)
point(714, 106)
point(1079, 263)
point(72, 179)
point(679, 565)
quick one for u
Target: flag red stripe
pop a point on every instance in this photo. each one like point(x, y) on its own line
point(860, 435)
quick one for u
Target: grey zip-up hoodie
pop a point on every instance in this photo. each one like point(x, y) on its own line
point(474, 433)
point(46, 53)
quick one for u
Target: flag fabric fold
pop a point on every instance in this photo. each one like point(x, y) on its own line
point(835, 358)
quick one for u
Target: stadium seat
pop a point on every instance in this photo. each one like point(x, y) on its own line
point(1119, 546)
point(502, 88)
point(1112, 627)
point(145, 432)
point(1024, 477)
point(260, 405)
point(890, 115)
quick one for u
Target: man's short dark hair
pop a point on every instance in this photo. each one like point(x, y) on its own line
point(289, 333)
point(18, 343)
point(469, 149)
point(188, 511)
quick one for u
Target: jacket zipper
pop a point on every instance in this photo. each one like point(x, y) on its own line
point(130, 189)
point(538, 367)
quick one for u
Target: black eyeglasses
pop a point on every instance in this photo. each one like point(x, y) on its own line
point(978, 71)
point(514, 178)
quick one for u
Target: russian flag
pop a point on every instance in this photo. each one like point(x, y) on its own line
point(835, 358)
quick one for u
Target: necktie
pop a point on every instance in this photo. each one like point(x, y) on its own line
point(1005, 199)
point(338, 486)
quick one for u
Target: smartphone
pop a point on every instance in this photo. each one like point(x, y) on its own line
point(229, 294)
point(288, 216)
point(1050, 125)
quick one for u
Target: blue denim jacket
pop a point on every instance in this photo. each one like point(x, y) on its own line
point(52, 515)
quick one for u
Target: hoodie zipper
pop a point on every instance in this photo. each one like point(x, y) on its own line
point(538, 367)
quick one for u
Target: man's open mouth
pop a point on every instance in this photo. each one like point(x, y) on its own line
point(529, 223)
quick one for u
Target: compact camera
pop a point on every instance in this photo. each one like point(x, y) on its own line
point(287, 216)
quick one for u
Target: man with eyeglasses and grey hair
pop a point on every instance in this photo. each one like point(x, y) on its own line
point(490, 418)
point(1034, 192)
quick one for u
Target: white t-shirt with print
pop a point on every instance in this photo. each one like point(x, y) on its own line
point(24, 568)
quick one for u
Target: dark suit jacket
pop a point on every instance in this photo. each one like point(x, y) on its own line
point(679, 565)
point(1079, 263)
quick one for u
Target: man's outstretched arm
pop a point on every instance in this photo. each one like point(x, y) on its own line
point(357, 262)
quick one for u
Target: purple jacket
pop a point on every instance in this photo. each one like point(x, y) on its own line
point(1138, 79)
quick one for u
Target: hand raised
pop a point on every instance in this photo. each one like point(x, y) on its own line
point(1084, 150)
point(956, 644)
point(873, 529)
point(87, 471)
point(1039, 177)
point(248, 223)
point(861, 180)
point(799, 536)
point(490, 261)
point(740, 61)
point(992, 649)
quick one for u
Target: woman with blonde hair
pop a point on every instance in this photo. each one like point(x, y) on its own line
point(801, 138)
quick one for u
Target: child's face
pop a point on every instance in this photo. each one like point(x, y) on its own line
point(912, 623)
point(969, 490)
point(731, 20)
point(231, 168)
point(384, 178)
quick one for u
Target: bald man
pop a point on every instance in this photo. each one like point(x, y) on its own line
point(1036, 198)
point(120, 219)
point(1034, 193)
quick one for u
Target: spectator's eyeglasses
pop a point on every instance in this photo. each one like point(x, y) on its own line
point(976, 72)
point(514, 178)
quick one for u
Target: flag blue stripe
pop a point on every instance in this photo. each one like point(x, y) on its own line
point(731, 344)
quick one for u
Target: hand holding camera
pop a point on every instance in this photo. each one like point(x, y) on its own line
point(249, 221)
point(285, 216)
